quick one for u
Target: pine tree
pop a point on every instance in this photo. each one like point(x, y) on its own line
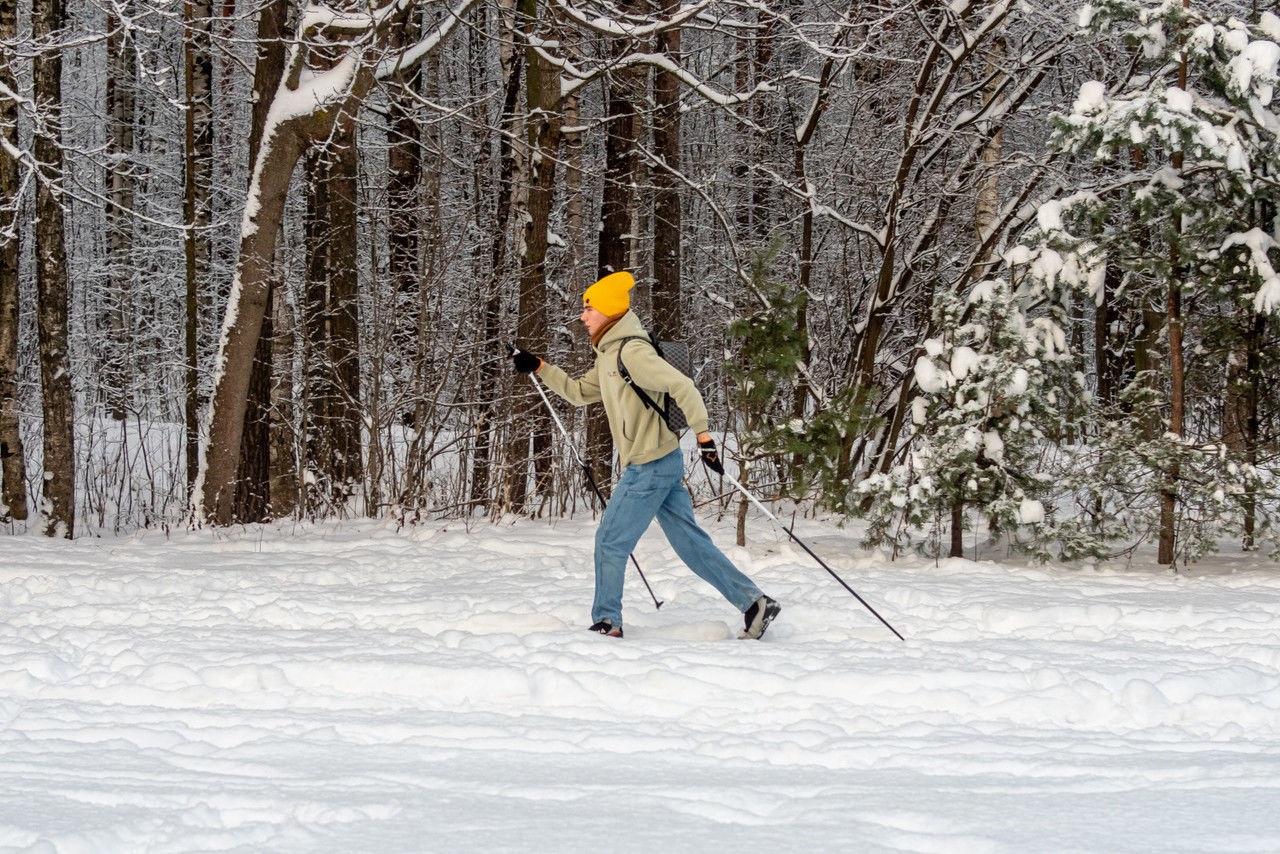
point(1182, 208)
point(996, 387)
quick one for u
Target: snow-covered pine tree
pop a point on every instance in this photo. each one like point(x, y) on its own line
point(1181, 207)
point(996, 386)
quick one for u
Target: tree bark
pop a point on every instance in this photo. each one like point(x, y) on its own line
point(615, 227)
point(957, 530)
point(48, 18)
point(13, 466)
point(987, 207)
point(405, 198)
point(318, 388)
point(249, 302)
point(530, 422)
point(486, 424)
point(198, 74)
point(345, 423)
point(117, 367)
point(666, 195)
point(254, 473)
point(283, 486)
point(1177, 377)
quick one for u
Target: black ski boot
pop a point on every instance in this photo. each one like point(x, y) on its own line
point(758, 617)
point(607, 628)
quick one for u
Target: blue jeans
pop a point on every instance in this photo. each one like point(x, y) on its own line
point(644, 491)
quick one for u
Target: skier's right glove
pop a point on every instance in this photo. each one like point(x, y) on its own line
point(525, 363)
point(710, 456)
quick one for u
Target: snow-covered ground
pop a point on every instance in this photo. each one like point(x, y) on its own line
point(353, 688)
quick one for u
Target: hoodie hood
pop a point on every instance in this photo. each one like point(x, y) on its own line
point(627, 326)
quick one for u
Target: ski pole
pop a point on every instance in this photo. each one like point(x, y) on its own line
point(820, 561)
point(586, 470)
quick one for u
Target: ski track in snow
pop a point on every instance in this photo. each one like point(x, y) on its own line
point(352, 688)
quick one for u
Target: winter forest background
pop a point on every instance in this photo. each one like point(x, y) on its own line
point(950, 267)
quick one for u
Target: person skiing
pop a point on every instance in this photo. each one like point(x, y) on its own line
point(650, 485)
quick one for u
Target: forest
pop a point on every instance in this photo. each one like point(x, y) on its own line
point(978, 267)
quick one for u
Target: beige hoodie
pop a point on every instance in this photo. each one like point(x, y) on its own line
point(638, 431)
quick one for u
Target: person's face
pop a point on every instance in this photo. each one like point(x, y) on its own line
point(593, 319)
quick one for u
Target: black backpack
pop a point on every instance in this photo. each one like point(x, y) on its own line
point(675, 354)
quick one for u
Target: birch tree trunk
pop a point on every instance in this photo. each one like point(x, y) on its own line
point(48, 18)
point(13, 466)
point(987, 208)
point(198, 74)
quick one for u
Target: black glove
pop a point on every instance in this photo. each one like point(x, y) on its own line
point(525, 363)
point(710, 457)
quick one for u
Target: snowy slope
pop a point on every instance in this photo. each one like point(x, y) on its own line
point(350, 688)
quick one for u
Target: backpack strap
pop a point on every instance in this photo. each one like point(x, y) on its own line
point(626, 376)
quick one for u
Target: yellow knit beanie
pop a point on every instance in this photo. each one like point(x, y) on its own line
point(610, 296)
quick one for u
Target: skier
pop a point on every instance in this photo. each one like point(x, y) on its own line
point(651, 482)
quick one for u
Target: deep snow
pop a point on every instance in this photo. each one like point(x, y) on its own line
point(354, 688)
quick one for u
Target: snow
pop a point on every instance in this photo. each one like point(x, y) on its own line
point(356, 688)
point(963, 360)
point(1270, 25)
point(1179, 100)
point(929, 378)
point(1259, 244)
point(1030, 512)
point(1091, 98)
point(1049, 216)
point(993, 446)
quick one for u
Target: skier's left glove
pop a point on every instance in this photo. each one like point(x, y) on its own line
point(525, 363)
point(710, 456)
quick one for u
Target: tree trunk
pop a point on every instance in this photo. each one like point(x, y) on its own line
point(574, 217)
point(198, 156)
point(117, 367)
point(283, 485)
point(987, 208)
point(13, 465)
point(1177, 378)
point(957, 530)
point(615, 226)
point(1252, 439)
point(404, 199)
point(1104, 362)
point(666, 194)
point(254, 473)
point(345, 424)
point(249, 302)
point(486, 425)
point(531, 423)
point(48, 19)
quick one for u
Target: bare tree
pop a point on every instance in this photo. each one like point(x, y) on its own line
point(316, 91)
